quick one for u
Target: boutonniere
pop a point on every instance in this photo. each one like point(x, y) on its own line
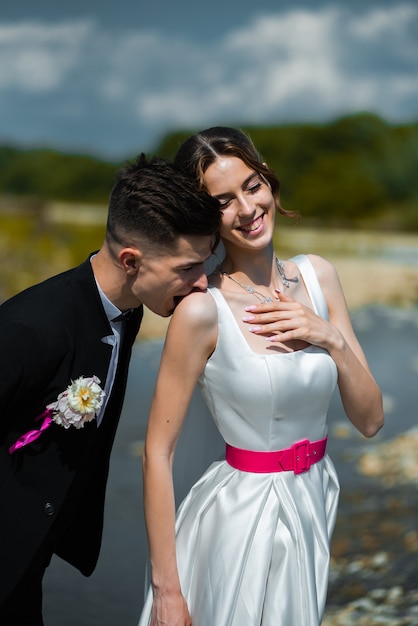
point(78, 404)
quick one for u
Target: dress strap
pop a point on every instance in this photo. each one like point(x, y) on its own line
point(312, 284)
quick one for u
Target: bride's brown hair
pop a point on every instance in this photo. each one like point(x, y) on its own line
point(199, 151)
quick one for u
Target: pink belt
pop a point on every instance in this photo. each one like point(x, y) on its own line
point(298, 458)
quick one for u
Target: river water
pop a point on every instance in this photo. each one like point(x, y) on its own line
point(113, 594)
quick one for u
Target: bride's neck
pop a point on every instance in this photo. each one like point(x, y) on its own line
point(258, 268)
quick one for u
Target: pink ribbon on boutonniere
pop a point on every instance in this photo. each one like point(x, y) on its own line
point(78, 404)
point(33, 435)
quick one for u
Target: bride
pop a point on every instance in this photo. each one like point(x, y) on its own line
point(267, 342)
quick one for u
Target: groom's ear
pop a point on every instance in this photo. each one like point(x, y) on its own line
point(130, 260)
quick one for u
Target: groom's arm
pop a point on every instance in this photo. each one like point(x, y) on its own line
point(23, 369)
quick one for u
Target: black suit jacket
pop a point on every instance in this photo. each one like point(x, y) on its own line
point(52, 491)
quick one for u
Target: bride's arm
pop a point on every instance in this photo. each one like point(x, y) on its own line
point(190, 340)
point(360, 394)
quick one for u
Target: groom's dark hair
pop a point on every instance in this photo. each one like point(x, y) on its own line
point(153, 200)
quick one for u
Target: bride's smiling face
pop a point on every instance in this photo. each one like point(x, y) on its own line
point(248, 206)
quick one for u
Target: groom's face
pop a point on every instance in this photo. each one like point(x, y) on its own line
point(164, 278)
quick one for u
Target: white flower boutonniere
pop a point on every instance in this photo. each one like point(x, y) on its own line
point(78, 404)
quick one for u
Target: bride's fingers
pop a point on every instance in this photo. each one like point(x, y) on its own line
point(270, 313)
point(274, 305)
point(272, 320)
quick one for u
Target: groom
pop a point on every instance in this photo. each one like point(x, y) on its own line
point(65, 350)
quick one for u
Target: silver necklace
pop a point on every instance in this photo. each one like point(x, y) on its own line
point(249, 289)
point(285, 280)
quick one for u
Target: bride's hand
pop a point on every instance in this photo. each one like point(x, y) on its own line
point(170, 610)
point(287, 320)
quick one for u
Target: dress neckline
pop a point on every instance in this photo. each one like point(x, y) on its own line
point(314, 292)
point(241, 334)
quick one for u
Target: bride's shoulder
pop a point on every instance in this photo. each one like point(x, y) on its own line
point(324, 269)
point(193, 326)
point(198, 307)
point(329, 280)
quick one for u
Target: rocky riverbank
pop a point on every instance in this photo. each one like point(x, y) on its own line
point(374, 573)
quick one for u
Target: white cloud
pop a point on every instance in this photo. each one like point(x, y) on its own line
point(384, 22)
point(286, 66)
point(298, 64)
point(37, 57)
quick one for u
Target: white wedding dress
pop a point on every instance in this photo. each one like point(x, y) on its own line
point(253, 549)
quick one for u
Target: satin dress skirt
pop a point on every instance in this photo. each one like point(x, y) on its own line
point(253, 549)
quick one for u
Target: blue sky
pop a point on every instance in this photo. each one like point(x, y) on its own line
point(111, 78)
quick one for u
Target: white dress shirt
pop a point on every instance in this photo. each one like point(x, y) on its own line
point(114, 340)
